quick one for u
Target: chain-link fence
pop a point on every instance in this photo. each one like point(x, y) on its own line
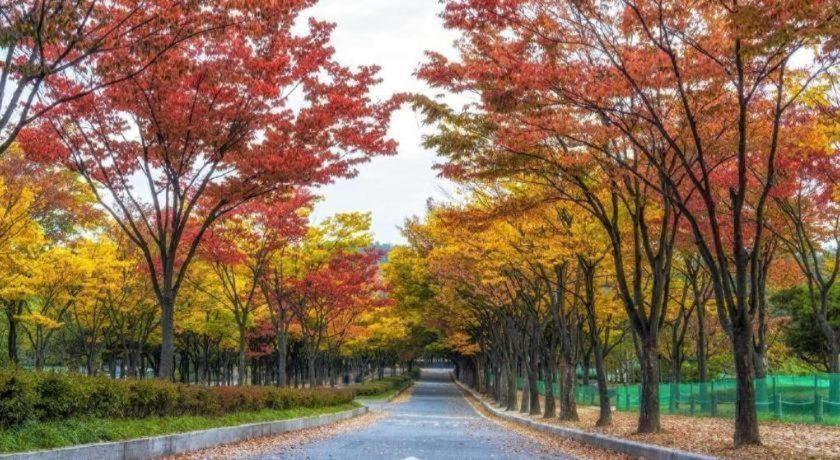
point(800, 399)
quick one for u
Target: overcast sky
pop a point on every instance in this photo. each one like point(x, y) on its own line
point(392, 34)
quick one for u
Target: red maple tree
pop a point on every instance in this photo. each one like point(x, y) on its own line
point(55, 51)
point(251, 112)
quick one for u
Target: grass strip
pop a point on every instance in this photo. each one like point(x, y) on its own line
point(70, 432)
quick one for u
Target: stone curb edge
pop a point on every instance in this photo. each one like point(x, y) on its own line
point(172, 444)
point(632, 448)
point(400, 391)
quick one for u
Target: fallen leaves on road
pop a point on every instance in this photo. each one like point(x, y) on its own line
point(284, 442)
point(404, 396)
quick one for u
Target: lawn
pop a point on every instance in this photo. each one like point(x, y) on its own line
point(62, 433)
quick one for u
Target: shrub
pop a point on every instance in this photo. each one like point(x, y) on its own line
point(151, 398)
point(17, 397)
point(105, 398)
point(281, 398)
point(198, 400)
point(28, 396)
point(60, 397)
point(378, 387)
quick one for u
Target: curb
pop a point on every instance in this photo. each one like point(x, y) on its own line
point(632, 448)
point(172, 444)
point(399, 392)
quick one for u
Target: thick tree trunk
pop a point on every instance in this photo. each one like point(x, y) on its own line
point(523, 403)
point(649, 397)
point(282, 350)
point(550, 372)
point(605, 411)
point(533, 392)
point(511, 385)
point(746, 419)
point(165, 369)
point(311, 363)
point(568, 406)
point(834, 378)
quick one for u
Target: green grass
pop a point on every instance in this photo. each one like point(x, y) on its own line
point(47, 435)
point(384, 395)
point(388, 386)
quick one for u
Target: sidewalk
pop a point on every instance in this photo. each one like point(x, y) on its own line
point(710, 436)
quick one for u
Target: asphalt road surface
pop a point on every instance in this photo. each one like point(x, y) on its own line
point(436, 423)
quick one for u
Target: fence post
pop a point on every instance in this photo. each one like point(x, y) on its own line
point(714, 405)
point(818, 408)
point(711, 399)
point(691, 402)
point(671, 402)
point(777, 406)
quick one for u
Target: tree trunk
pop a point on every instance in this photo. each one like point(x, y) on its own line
point(533, 392)
point(282, 350)
point(311, 363)
point(832, 349)
point(523, 403)
point(746, 419)
point(605, 414)
point(568, 405)
point(240, 365)
point(167, 346)
point(585, 368)
point(12, 337)
point(649, 397)
point(90, 365)
point(550, 371)
point(511, 385)
point(834, 378)
point(39, 358)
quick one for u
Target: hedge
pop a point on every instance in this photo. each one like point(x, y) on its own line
point(39, 396)
point(378, 387)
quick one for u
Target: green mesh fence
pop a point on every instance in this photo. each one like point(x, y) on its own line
point(800, 399)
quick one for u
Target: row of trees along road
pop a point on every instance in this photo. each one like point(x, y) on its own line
point(269, 295)
point(694, 143)
point(178, 115)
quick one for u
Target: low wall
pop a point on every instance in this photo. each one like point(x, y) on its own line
point(160, 446)
point(626, 446)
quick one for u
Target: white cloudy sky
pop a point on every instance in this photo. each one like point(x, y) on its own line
point(392, 34)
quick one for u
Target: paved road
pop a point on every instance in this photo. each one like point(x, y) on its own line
point(436, 423)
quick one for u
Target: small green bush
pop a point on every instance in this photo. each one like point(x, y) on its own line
point(105, 399)
point(17, 397)
point(60, 397)
point(198, 400)
point(148, 398)
point(378, 387)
